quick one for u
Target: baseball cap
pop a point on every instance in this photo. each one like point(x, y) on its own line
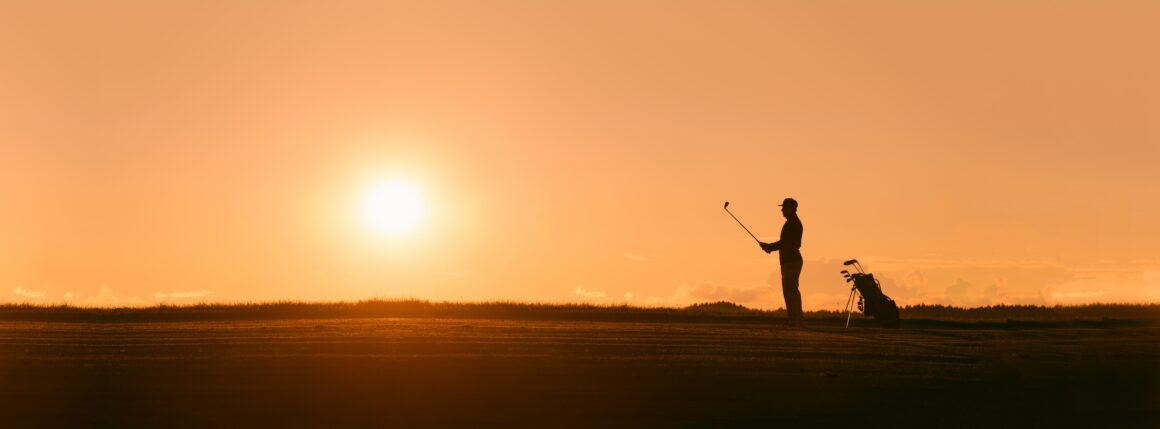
point(789, 202)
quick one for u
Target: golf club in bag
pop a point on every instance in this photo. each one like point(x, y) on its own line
point(871, 300)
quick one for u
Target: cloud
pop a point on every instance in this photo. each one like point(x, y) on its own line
point(725, 293)
point(955, 282)
point(20, 291)
point(588, 293)
point(967, 282)
point(181, 295)
point(1080, 295)
point(960, 289)
point(106, 298)
point(758, 296)
point(914, 279)
point(978, 282)
point(602, 296)
point(991, 292)
point(902, 264)
point(933, 281)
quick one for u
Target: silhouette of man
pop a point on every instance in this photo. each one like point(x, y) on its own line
point(789, 253)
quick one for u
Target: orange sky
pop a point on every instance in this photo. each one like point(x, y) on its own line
point(968, 154)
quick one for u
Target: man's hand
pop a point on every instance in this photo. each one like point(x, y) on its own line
point(767, 247)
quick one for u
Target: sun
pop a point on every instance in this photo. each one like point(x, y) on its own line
point(393, 207)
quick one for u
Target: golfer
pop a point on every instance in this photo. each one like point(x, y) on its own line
point(789, 253)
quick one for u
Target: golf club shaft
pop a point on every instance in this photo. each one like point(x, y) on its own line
point(742, 225)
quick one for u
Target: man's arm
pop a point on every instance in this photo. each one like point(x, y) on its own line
point(770, 247)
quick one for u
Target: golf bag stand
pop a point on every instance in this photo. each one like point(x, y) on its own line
point(850, 301)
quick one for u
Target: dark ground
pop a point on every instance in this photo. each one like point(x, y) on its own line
point(415, 372)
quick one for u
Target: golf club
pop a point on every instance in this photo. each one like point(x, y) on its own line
point(739, 223)
point(856, 265)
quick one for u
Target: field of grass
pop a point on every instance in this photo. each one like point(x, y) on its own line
point(421, 364)
point(920, 315)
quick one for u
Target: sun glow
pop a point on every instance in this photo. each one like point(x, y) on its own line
point(393, 207)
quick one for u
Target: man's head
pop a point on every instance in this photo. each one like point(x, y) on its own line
point(789, 207)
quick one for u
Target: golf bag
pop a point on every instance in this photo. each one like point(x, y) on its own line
point(871, 301)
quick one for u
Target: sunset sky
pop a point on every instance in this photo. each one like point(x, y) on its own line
point(968, 153)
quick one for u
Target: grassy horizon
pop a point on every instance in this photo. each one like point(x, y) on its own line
point(723, 311)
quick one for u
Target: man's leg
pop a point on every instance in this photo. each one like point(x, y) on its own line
point(789, 289)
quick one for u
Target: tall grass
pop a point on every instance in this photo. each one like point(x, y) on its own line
point(707, 312)
point(374, 308)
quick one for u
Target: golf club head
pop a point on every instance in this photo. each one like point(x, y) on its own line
point(726, 205)
point(845, 272)
point(850, 262)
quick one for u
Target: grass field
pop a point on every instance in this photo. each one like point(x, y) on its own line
point(514, 365)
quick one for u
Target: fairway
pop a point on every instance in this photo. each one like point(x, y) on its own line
point(415, 372)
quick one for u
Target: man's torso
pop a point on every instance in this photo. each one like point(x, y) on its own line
point(791, 241)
